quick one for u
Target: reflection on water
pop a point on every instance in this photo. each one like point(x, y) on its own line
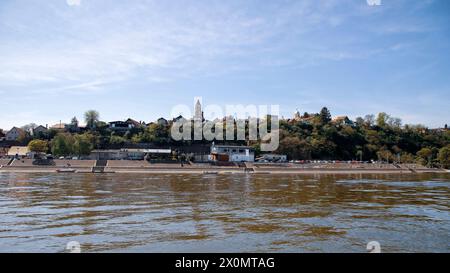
point(224, 213)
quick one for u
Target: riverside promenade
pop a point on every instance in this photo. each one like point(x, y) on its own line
point(129, 166)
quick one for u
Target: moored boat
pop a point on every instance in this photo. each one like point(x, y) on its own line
point(68, 170)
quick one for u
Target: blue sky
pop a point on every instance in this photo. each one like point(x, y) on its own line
point(139, 58)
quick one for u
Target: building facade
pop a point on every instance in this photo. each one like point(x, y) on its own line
point(14, 134)
point(19, 152)
point(227, 153)
point(40, 131)
point(162, 122)
point(120, 126)
point(131, 154)
point(274, 158)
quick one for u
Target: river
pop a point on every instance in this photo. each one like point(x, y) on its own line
point(224, 213)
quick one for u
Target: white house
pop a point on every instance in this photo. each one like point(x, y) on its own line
point(14, 134)
point(124, 125)
point(120, 126)
point(232, 153)
point(40, 130)
point(162, 121)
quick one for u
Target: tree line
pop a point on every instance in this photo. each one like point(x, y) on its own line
point(381, 137)
point(311, 136)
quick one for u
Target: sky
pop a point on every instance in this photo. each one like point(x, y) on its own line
point(140, 58)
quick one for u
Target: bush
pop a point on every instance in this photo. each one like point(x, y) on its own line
point(444, 157)
point(38, 146)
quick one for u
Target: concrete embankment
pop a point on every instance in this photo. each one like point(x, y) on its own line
point(171, 168)
point(26, 165)
point(128, 166)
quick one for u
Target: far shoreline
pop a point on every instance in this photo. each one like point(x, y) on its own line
point(219, 171)
point(145, 167)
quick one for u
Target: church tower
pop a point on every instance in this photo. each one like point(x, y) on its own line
point(198, 113)
point(297, 116)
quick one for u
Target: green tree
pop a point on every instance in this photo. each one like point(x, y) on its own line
point(382, 119)
point(385, 155)
point(83, 144)
point(257, 148)
point(117, 140)
point(91, 118)
point(74, 122)
point(24, 137)
point(444, 157)
point(325, 115)
point(294, 148)
point(38, 146)
point(51, 134)
point(29, 127)
point(62, 144)
point(387, 141)
point(395, 122)
point(407, 158)
point(155, 133)
point(359, 121)
point(425, 156)
point(369, 120)
point(139, 138)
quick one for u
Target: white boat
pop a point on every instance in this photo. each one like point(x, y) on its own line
point(68, 170)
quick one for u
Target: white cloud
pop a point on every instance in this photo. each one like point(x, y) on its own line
point(73, 2)
point(156, 40)
point(120, 40)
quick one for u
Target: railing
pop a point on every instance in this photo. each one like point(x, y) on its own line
point(10, 162)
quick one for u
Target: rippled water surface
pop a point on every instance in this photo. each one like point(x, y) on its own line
point(224, 213)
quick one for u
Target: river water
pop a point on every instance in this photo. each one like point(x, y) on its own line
point(224, 213)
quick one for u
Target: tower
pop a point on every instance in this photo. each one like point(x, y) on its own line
point(198, 114)
point(297, 116)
